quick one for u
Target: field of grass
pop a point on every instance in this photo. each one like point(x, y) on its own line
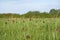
point(30, 29)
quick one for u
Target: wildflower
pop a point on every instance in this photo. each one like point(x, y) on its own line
point(27, 36)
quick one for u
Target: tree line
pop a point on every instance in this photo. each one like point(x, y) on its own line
point(53, 13)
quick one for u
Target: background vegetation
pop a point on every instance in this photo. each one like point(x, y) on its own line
point(35, 14)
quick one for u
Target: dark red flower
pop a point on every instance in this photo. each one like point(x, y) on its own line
point(27, 36)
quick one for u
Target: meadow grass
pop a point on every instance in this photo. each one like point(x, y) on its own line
point(29, 29)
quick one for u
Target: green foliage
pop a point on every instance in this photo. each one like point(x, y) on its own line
point(9, 15)
point(34, 14)
point(53, 11)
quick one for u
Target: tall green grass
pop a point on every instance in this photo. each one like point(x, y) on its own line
point(30, 29)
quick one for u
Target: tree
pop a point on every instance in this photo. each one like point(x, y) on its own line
point(53, 11)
